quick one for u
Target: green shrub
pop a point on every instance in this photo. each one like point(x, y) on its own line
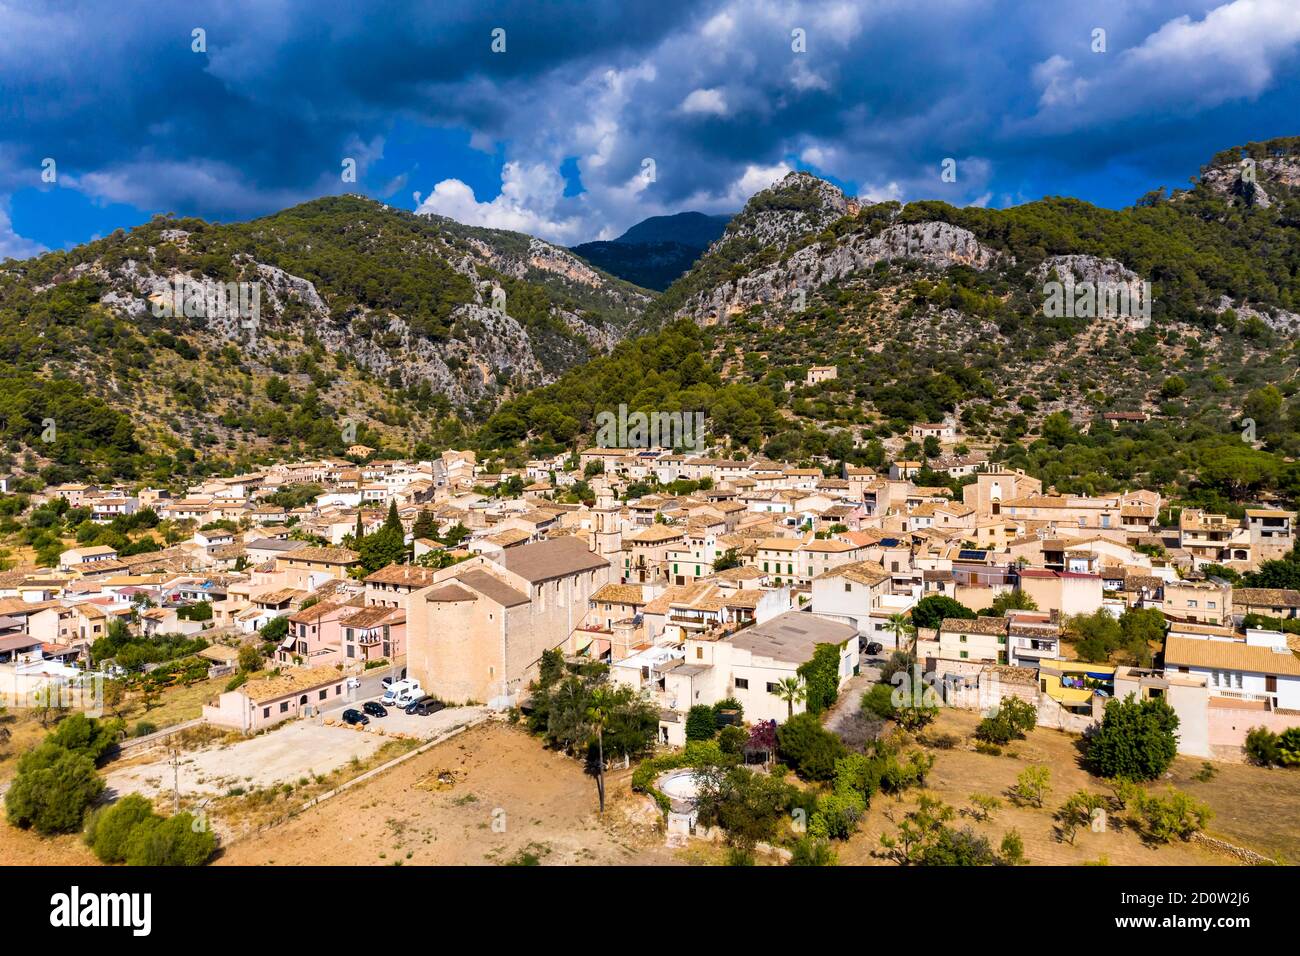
point(878, 702)
point(1173, 816)
point(1288, 747)
point(808, 747)
point(701, 723)
point(1013, 719)
point(810, 851)
point(109, 828)
point(732, 739)
point(144, 728)
point(53, 789)
point(1135, 740)
point(173, 841)
point(1261, 747)
point(729, 703)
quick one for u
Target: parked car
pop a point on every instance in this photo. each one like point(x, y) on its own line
point(409, 697)
point(874, 648)
point(402, 692)
point(374, 708)
point(425, 706)
point(354, 682)
point(353, 716)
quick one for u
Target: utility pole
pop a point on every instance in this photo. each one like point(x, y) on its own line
point(175, 754)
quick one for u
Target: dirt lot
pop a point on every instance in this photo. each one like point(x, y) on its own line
point(1254, 808)
point(491, 795)
point(301, 749)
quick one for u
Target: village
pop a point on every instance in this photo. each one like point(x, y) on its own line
point(721, 592)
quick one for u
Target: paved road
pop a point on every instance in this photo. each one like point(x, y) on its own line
point(371, 686)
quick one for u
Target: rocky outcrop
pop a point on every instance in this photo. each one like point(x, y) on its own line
point(1249, 184)
point(788, 210)
point(937, 245)
point(1279, 320)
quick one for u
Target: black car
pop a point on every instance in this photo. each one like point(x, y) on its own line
point(374, 708)
point(351, 716)
point(425, 706)
point(874, 648)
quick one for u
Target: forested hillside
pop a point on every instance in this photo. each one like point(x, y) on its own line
point(930, 311)
point(368, 316)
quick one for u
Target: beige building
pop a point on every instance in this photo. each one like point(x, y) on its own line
point(1202, 601)
point(307, 568)
point(478, 633)
point(265, 702)
point(983, 639)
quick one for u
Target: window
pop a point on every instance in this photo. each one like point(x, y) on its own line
point(847, 587)
point(323, 694)
point(266, 711)
point(699, 653)
point(771, 687)
point(1191, 604)
point(964, 655)
point(742, 683)
point(284, 706)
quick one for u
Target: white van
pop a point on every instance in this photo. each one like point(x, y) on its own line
point(402, 692)
point(410, 695)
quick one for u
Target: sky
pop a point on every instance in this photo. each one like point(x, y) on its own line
point(574, 120)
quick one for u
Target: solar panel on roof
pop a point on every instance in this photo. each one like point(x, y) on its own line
point(972, 555)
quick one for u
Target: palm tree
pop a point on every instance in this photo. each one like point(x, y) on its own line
point(791, 690)
point(599, 704)
point(901, 627)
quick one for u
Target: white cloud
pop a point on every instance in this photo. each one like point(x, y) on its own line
point(1232, 53)
point(804, 79)
point(531, 201)
point(709, 101)
point(12, 245)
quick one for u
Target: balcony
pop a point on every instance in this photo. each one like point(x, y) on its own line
point(691, 620)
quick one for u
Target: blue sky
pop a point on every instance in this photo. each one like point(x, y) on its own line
point(554, 134)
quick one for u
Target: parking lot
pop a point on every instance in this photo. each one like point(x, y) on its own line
point(399, 722)
point(293, 751)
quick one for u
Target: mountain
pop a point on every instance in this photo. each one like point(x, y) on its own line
point(657, 250)
point(688, 228)
point(391, 321)
point(367, 315)
point(930, 311)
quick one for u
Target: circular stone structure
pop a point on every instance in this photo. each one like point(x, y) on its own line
point(679, 786)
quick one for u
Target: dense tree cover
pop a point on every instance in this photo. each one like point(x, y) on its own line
point(56, 781)
point(132, 653)
point(74, 361)
point(1100, 635)
point(382, 547)
point(561, 712)
point(665, 372)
